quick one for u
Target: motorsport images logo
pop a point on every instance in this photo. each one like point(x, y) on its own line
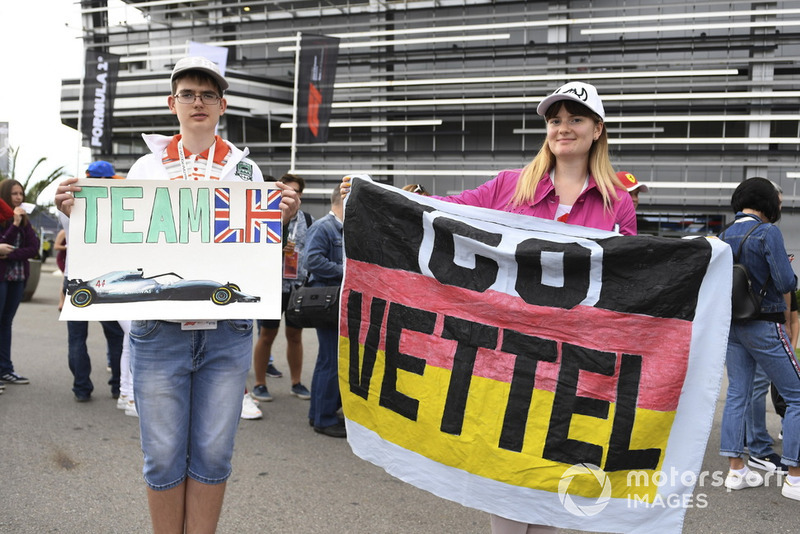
point(590, 509)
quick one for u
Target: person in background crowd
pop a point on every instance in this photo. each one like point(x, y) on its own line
point(6, 213)
point(793, 329)
point(126, 401)
point(633, 186)
point(793, 321)
point(18, 244)
point(60, 246)
point(570, 180)
point(250, 409)
point(188, 383)
point(324, 263)
point(416, 188)
point(762, 341)
point(80, 364)
point(759, 443)
point(293, 274)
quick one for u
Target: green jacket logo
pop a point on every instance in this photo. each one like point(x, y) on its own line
point(244, 171)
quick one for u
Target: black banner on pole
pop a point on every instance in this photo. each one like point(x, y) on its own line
point(99, 86)
point(318, 55)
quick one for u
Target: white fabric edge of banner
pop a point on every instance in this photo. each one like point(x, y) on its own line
point(507, 500)
point(707, 353)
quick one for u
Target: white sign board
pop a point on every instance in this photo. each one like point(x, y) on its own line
point(179, 250)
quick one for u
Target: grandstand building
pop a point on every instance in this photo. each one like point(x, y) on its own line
point(698, 95)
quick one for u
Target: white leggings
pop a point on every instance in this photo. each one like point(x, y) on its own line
point(501, 525)
point(125, 376)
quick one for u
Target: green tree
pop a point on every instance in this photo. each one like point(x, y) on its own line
point(31, 186)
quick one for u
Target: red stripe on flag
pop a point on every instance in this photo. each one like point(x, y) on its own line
point(662, 343)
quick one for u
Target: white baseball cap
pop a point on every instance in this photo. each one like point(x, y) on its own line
point(580, 92)
point(202, 64)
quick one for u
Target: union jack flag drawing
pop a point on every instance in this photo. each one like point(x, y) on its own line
point(258, 215)
point(223, 233)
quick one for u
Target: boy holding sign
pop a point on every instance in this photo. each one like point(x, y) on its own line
point(189, 376)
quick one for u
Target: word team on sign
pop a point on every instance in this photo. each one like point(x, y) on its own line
point(173, 217)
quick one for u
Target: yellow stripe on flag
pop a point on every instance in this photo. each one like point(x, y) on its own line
point(476, 448)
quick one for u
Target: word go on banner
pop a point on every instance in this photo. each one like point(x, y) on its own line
point(544, 372)
point(153, 249)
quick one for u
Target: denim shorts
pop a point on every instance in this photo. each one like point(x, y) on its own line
point(188, 387)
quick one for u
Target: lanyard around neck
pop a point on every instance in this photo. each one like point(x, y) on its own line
point(209, 161)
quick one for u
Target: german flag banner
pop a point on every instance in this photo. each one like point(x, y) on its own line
point(543, 372)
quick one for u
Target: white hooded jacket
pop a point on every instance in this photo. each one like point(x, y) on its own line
point(150, 167)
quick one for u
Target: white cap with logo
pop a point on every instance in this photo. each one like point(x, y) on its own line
point(202, 64)
point(582, 93)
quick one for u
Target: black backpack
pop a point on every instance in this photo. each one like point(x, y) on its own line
point(745, 304)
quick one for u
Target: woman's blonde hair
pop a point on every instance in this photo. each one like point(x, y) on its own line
point(599, 163)
point(416, 188)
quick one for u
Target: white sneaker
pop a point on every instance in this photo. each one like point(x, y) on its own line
point(750, 479)
point(249, 408)
point(790, 491)
point(122, 402)
point(130, 408)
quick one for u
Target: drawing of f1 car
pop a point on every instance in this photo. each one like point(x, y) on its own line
point(133, 286)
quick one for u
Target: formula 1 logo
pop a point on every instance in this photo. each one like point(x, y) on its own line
point(587, 510)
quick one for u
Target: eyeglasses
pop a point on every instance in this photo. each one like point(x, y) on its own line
point(188, 97)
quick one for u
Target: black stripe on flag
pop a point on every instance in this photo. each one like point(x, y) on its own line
point(655, 276)
point(383, 227)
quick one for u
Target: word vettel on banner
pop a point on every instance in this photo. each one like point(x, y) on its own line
point(174, 222)
point(529, 350)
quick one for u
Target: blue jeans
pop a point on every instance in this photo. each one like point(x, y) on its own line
point(325, 399)
point(10, 297)
point(78, 355)
point(766, 344)
point(188, 387)
point(759, 442)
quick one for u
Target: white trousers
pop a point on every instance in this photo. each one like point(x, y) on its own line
point(125, 376)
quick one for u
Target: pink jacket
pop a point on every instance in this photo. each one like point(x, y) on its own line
point(588, 209)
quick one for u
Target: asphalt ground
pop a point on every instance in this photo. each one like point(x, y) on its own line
point(76, 467)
